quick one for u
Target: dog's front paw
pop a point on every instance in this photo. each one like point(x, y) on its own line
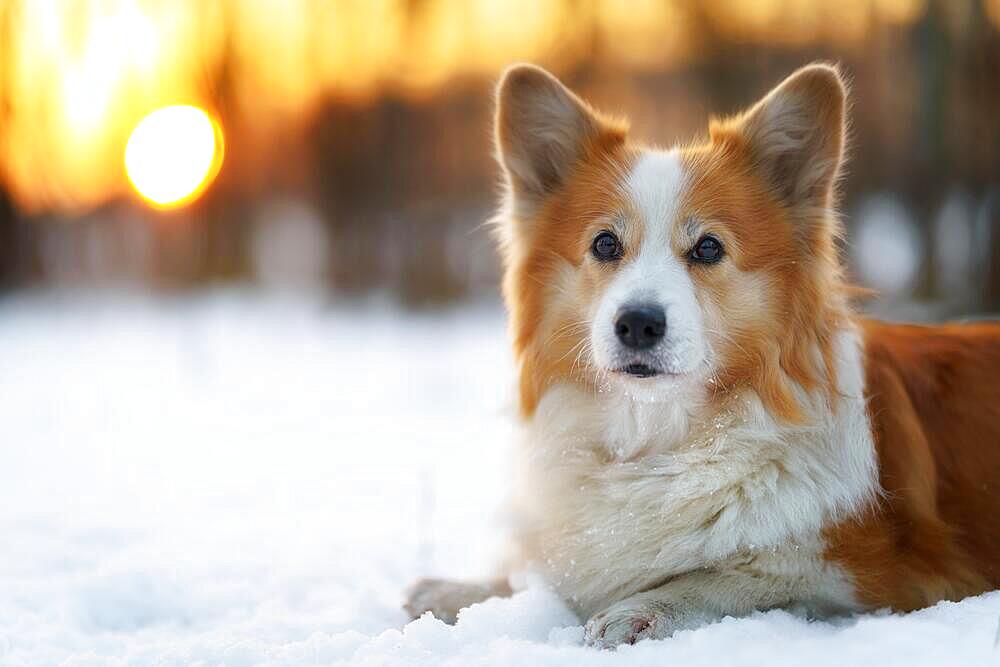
point(626, 623)
point(445, 598)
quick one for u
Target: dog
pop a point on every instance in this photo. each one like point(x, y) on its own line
point(710, 428)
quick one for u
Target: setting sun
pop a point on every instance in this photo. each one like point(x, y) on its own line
point(173, 154)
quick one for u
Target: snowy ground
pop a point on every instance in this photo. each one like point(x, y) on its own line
point(239, 481)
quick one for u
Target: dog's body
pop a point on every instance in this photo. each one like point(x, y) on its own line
point(709, 428)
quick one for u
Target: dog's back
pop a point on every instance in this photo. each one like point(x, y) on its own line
point(934, 404)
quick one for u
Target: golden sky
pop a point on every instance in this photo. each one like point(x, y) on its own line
point(77, 75)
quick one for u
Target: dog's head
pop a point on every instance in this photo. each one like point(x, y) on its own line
point(681, 273)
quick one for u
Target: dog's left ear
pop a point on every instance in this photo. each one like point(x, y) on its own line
point(795, 135)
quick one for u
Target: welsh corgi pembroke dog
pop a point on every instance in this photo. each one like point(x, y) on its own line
point(710, 429)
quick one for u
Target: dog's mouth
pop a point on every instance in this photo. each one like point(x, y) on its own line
point(640, 370)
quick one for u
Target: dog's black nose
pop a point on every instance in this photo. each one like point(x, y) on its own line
point(640, 327)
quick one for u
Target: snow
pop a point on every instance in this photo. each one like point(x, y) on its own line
point(237, 480)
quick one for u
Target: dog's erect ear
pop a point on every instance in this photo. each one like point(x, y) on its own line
point(542, 130)
point(796, 134)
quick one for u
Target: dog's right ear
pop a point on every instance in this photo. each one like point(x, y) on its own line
point(542, 131)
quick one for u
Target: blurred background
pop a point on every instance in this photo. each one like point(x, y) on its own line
point(354, 141)
point(254, 377)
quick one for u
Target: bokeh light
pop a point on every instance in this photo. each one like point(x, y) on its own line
point(173, 154)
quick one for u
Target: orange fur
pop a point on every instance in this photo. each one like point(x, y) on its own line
point(559, 236)
point(802, 291)
point(935, 410)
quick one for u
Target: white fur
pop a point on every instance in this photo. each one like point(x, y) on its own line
point(738, 506)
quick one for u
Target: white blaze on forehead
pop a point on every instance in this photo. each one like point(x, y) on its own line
point(655, 187)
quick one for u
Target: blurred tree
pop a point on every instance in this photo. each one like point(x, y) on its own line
point(9, 245)
point(394, 178)
point(226, 210)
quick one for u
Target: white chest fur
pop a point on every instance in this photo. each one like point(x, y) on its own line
point(616, 496)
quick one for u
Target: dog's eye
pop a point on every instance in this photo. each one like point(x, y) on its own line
point(708, 250)
point(606, 247)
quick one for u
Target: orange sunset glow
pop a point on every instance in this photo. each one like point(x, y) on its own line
point(77, 77)
point(173, 154)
